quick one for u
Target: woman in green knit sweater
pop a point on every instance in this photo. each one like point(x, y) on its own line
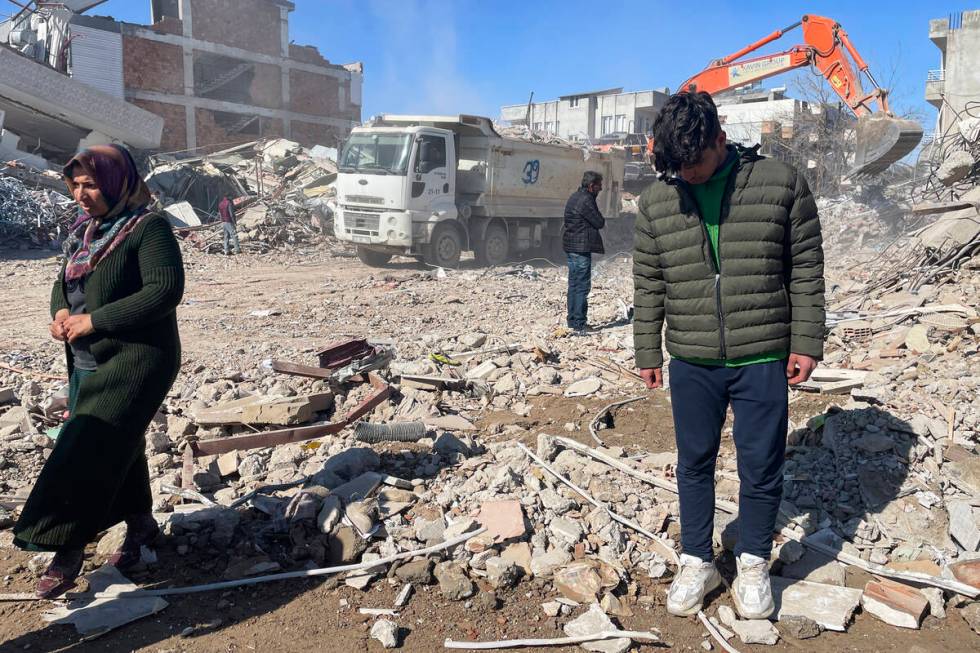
point(114, 305)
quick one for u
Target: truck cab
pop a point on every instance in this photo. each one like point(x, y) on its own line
point(393, 183)
point(431, 187)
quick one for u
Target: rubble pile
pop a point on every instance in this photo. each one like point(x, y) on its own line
point(38, 216)
point(949, 165)
point(285, 194)
point(881, 467)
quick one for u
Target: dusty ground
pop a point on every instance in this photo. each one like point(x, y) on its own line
point(306, 615)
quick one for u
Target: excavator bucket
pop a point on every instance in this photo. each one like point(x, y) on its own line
point(882, 140)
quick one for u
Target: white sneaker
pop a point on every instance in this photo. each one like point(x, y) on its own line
point(695, 578)
point(751, 590)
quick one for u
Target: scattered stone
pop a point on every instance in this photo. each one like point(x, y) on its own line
point(966, 571)
point(756, 631)
point(386, 632)
point(566, 530)
point(544, 564)
point(520, 554)
point(453, 582)
point(727, 615)
point(551, 608)
point(583, 388)
point(502, 573)
point(595, 621)
point(417, 572)
point(937, 602)
point(578, 581)
point(971, 615)
point(799, 627)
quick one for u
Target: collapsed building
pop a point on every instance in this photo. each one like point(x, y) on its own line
point(202, 75)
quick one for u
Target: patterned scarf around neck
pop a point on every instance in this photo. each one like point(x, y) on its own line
point(113, 170)
point(93, 239)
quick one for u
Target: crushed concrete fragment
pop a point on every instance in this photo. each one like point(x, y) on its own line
point(593, 621)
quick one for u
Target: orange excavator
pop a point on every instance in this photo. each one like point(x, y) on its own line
point(881, 138)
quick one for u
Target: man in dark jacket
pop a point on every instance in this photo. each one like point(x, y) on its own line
point(580, 240)
point(729, 253)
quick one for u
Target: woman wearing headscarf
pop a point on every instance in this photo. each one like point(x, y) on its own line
point(114, 305)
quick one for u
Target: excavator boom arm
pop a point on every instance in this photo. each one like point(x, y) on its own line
point(826, 47)
point(881, 138)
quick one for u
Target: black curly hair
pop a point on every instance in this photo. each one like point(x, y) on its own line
point(686, 126)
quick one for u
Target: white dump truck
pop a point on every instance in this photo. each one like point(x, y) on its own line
point(432, 187)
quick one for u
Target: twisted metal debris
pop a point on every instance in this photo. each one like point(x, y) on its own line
point(40, 216)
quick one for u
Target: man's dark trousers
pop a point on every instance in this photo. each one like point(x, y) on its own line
point(579, 285)
point(700, 396)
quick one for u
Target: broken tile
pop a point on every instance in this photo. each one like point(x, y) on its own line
point(966, 571)
point(894, 603)
point(504, 520)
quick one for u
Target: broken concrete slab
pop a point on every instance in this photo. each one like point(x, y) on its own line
point(583, 388)
point(965, 473)
point(264, 409)
point(828, 605)
point(596, 621)
point(93, 617)
point(359, 487)
point(894, 603)
point(450, 423)
point(816, 568)
point(963, 525)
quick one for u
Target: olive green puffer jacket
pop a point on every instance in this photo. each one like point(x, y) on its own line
point(767, 296)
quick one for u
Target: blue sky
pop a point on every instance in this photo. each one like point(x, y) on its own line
point(470, 56)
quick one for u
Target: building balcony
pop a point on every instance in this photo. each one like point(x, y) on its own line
point(938, 32)
point(935, 86)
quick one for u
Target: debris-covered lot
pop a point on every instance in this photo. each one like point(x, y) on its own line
point(494, 405)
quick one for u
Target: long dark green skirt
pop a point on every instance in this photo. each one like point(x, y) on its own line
point(95, 477)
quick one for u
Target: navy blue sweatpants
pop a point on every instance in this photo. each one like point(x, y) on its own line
point(700, 396)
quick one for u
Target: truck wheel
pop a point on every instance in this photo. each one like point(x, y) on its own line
point(445, 248)
point(372, 257)
point(494, 248)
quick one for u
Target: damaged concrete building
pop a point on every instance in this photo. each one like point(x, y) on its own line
point(590, 115)
point(216, 72)
point(54, 94)
point(956, 83)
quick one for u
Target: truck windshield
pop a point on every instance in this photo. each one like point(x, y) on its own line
point(379, 154)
